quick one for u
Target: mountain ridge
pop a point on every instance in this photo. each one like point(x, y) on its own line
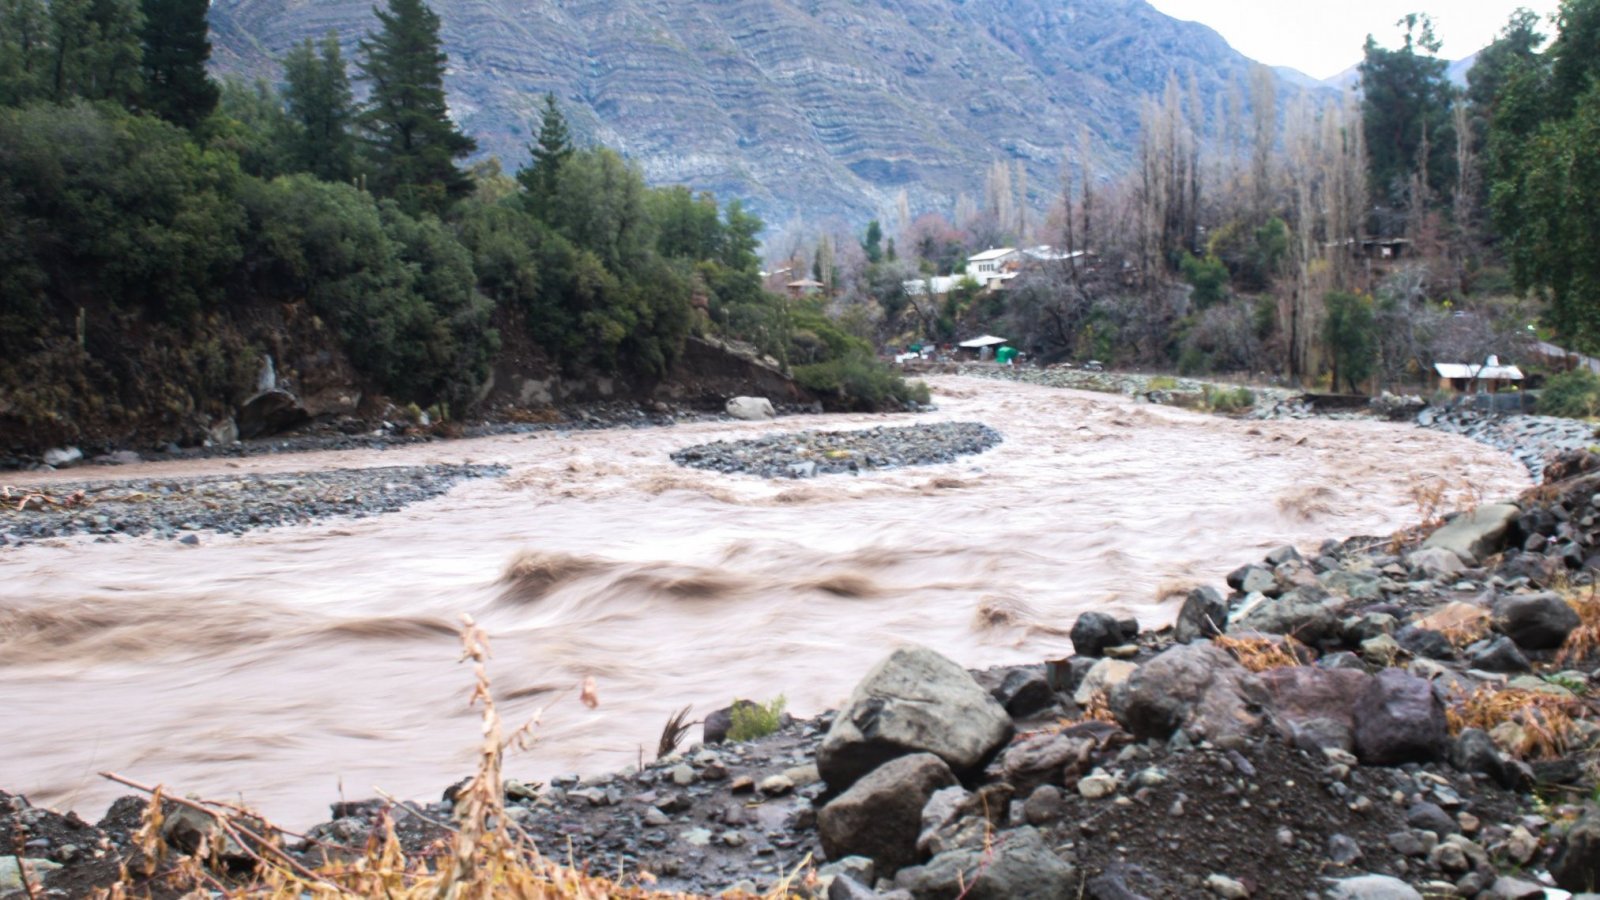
point(823, 109)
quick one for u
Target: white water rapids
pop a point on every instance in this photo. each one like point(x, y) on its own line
point(295, 665)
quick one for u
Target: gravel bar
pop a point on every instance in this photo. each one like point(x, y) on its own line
point(809, 453)
point(223, 504)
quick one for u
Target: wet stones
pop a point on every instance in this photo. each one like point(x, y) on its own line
point(1195, 687)
point(809, 453)
point(1205, 612)
point(880, 816)
point(1398, 719)
point(914, 701)
point(1535, 621)
point(1095, 632)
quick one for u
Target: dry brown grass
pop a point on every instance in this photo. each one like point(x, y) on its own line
point(1259, 653)
point(486, 856)
point(1584, 641)
point(1549, 722)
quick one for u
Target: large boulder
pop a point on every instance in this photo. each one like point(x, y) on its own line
point(1576, 863)
point(1307, 613)
point(1535, 621)
point(1399, 719)
point(1196, 687)
point(1018, 866)
point(1476, 534)
point(1093, 632)
point(1205, 613)
point(751, 409)
point(1315, 706)
point(880, 816)
point(914, 701)
point(270, 412)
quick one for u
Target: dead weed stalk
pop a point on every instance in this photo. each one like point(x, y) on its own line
point(1584, 640)
point(1259, 653)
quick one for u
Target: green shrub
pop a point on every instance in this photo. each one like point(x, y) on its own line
point(1574, 394)
point(1229, 400)
point(858, 382)
point(753, 720)
point(1163, 383)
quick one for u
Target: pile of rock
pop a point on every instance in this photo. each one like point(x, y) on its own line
point(1533, 440)
point(807, 454)
point(183, 508)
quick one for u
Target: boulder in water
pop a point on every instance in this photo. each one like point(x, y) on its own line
point(751, 409)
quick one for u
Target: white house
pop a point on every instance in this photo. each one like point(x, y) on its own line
point(992, 264)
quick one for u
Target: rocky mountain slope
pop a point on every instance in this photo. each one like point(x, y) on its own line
point(817, 108)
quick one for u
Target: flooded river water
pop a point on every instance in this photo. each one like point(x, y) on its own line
point(293, 666)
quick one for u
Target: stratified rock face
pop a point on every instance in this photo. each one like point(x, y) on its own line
point(811, 107)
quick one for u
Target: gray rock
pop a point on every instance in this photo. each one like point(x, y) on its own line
point(1355, 585)
point(858, 867)
point(1102, 678)
point(1313, 706)
point(1425, 642)
point(1372, 887)
point(1024, 691)
point(1431, 817)
point(1121, 881)
point(1398, 719)
point(1280, 555)
point(880, 816)
point(11, 873)
point(845, 887)
point(1251, 579)
point(1498, 655)
point(1196, 687)
point(1204, 613)
point(1044, 805)
point(1535, 621)
point(1018, 866)
point(1575, 866)
point(1044, 758)
point(1435, 562)
point(62, 457)
point(752, 409)
point(270, 412)
point(1343, 850)
point(1305, 613)
point(1093, 632)
point(914, 701)
point(1226, 888)
point(1477, 534)
point(1474, 751)
point(1507, 888)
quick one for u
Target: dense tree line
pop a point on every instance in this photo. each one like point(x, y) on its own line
point(135, 187)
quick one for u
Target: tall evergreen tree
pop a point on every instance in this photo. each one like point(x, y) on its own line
point(551, 149)
point(317, 94)
point(1406, 99)
point(24, 50)
point(412, 141)
point(94, 50)
point(176, 45)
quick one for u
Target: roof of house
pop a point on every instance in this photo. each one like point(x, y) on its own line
point(804, 283)
point(987, 340)
point(1485, 371)
point(994, 253)
point(1047, 253)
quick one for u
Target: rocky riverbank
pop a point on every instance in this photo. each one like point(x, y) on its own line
point(807, 454)
point(185, 508)
point(1533, 440)
point(1382, 718)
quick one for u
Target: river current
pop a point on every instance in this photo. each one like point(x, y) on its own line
point(295, 666)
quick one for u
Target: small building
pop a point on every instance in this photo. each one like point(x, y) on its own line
point(991, 264)
point(805, 287)
point(983, 347)
point(1488, 378)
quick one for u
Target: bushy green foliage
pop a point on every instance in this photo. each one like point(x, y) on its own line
point(1209, 278)
point(756, 720)
point(1229, 400)
point(1350, 334)
point(1574, 394)
point(858, 381)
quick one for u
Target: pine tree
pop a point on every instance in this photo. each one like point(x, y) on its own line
point(176, 46)
point(1406, 111)
point(24, 50)
point(551, 149)
point(94, 50)
point(412, 142)
point(317, 93)
point(873, 245)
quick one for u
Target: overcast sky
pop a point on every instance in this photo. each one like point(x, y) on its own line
point(1323, 38)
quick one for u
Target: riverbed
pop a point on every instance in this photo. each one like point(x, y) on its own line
point(295, 665)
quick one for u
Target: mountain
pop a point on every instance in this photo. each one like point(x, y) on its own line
point(814, 108)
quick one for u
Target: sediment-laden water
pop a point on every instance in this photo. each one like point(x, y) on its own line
point(295, 665)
